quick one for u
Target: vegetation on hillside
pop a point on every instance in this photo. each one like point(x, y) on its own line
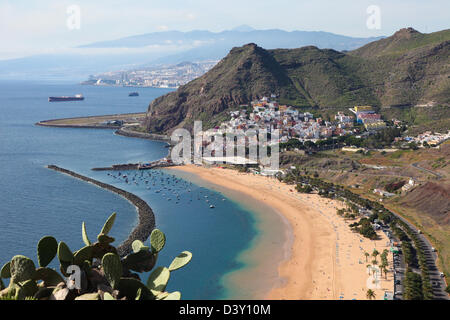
point(399, 72)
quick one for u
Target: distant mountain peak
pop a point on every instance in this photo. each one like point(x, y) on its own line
point(311, 77)
point(243, 28)
point(405, 33)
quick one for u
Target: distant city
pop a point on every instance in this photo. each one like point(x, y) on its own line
point(164, 76)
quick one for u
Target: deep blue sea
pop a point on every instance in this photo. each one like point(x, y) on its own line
point(36, 201)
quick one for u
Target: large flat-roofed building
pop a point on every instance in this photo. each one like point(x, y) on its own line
point(368, 117)
point(230, 160)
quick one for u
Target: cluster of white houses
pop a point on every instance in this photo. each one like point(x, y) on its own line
point(267, 114)
point(432, 139)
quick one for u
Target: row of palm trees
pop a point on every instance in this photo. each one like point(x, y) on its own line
point(331, 190)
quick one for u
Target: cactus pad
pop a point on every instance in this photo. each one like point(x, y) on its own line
point(108, 224)
point(84, 234)
point(173, 296)
point(64, 253)
point(84, 254)
point(47, 249)
point(158, 279)
point(180, 261)
point(138, 245)
point(22, 269)
point(157, 240)
point(105, 239)
point(50, 277)
point(5, 273)
point(128, 287)
point(112, 267)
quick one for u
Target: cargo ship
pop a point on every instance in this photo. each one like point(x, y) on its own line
point(77, 97)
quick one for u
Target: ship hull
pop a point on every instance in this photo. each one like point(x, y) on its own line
point(64, 99)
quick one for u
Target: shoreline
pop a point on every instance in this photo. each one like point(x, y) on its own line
point(97, 122)
point(324, 261)
point(146, 216)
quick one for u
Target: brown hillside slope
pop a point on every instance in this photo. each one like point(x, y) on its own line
point(432, 198)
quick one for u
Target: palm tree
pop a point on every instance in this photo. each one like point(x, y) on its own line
point(369, 267)
point(367, 255)
point(370, 294)
point(374, 262)
point(385, 271)
point(375, 253)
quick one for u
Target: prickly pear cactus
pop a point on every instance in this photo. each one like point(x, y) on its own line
point(47, 249)
point(138, 245)
point(173, 296)
point(157, 240)
point(22, 269)
point(64, 253)
point(5, 273)
point(29, 288)
point(142, 261)
point(50, 277)
point(84, 235)
point(108, 224)
point(105, 239)
point(112, 267)
point(104, 275)
point(84, 254)
point(158, 279)
point(181, 260)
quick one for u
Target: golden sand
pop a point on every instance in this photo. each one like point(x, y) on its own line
point(326, 259)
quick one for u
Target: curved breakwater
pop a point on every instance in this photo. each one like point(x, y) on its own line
point(146, 216)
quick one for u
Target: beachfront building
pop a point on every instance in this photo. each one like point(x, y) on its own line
point(240, 161)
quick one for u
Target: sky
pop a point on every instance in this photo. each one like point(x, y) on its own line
point(45, 26)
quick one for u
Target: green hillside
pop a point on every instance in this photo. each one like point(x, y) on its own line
point(399, 72)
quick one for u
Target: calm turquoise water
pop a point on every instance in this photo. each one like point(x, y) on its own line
point(36, 201)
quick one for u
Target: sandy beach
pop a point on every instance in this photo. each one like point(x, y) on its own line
point(325, 259)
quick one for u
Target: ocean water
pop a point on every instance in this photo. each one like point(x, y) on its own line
point(36, 201)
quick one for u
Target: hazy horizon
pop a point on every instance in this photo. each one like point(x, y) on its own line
point(29, 28)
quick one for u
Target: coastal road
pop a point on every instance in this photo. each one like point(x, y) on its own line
point(438, 283)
